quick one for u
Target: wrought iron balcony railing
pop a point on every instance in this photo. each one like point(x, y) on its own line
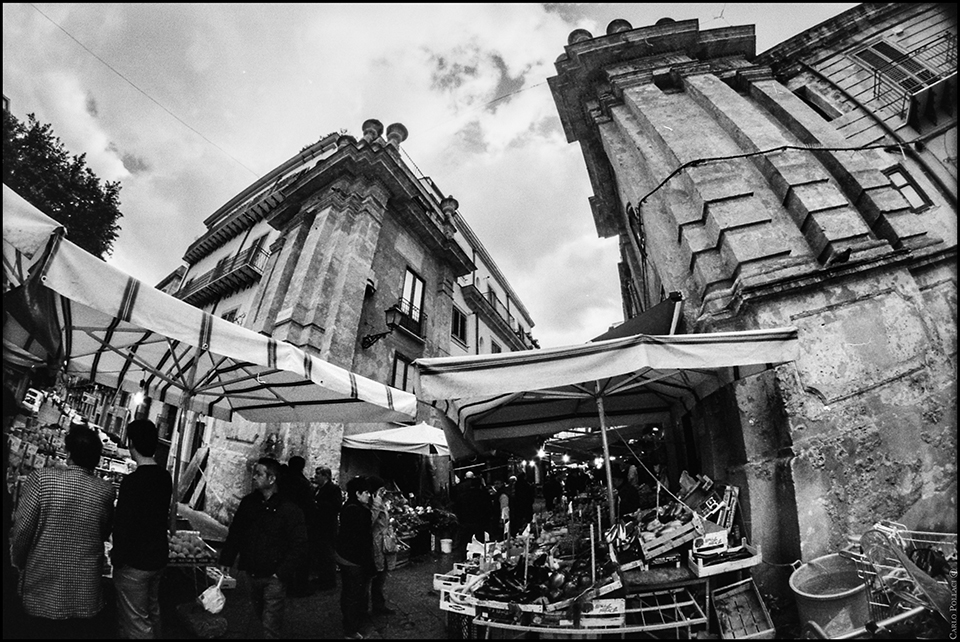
point(229, 275)
point(412, 318)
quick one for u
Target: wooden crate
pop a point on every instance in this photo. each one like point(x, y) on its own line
point(611, 584)
point(447, 581)
point(741, 612)
point(700, 569)
point(456, 602)
point(669, 541)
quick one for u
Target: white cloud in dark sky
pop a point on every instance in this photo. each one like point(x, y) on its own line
point(259, 82)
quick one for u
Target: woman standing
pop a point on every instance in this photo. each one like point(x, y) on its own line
point(355, 556)
point(380, 510)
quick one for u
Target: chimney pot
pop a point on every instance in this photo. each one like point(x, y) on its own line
point(345, 139)
point(618, 25)
point(372, 129)
point(578, 35)
point(449, 205)
point(396, 134)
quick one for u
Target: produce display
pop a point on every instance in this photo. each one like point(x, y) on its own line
point(186, 547)
point(555, 573)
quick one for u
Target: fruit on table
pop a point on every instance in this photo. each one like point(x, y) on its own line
point(186, 545)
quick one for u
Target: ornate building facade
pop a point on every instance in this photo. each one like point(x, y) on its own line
point(346, 253)
point(813, 185)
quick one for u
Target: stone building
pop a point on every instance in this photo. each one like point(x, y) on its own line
point(323, 252)
point(813, 185)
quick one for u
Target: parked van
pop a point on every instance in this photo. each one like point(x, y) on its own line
point(32, 400)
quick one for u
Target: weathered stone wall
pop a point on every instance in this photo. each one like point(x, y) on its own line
point(753, 209)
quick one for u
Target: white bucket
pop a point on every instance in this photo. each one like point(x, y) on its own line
point(446, 545)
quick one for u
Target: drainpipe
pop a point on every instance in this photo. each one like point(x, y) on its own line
point(889, 131)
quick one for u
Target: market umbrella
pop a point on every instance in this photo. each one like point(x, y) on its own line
point(124, 334)
point(420, 439)
point(24, 246)
point(641, 378)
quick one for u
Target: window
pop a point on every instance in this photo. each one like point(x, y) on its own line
point(908, 188)
point(818, 103)
point(402, 371)
point(458, 328)
point(897, 66)
point(495, 347)
point(231, 316)
point(412, 302)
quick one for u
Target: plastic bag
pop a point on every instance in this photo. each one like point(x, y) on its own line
point(212, 600)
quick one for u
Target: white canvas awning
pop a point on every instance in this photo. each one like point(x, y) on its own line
point(498, 397)
point(125, 334)
point(420, 439)
point(640, 378)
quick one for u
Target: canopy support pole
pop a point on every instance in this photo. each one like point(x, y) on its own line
point(181, 430)
point(606, 456)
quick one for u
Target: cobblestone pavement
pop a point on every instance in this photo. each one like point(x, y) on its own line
point(409, 592)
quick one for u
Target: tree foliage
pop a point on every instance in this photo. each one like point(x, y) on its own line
point(37, 167)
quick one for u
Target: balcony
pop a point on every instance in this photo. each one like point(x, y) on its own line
point(921, 85)
point(412, 320)
point(495, 314)
point(230, 274)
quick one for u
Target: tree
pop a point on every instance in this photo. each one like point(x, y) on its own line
point(37, 167)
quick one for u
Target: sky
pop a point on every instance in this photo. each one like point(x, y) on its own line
point(188, 104)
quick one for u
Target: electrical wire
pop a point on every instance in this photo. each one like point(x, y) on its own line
point(151, 98)
point(888, 147)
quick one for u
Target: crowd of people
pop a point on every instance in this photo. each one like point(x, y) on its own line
point(287, 527)
point(499, 509)
point(63, 517)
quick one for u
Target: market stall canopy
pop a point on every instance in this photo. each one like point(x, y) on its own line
point(636, 379)
point(663, 318)
point(25, 236)
point(641, 379)
point(420, 439)
point(124, 334)
point(27, 240)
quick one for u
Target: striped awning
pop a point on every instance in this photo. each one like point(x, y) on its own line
point(420, 439)
point(124, 334)
point(640, 379)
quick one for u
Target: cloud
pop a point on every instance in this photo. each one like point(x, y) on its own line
point(226, 92)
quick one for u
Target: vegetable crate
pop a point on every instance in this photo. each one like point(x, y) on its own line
point(701, 568)
point(741, 612)
point(669, 541)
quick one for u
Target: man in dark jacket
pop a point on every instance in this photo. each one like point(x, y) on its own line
point(472, 506)
point(269, 534)
point(628, 498)
point(298, 489)
point(355, 555)
point(521, 504)
point(329, 501)
point(139, 551)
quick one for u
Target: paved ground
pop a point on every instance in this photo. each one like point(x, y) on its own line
point(409, 592)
